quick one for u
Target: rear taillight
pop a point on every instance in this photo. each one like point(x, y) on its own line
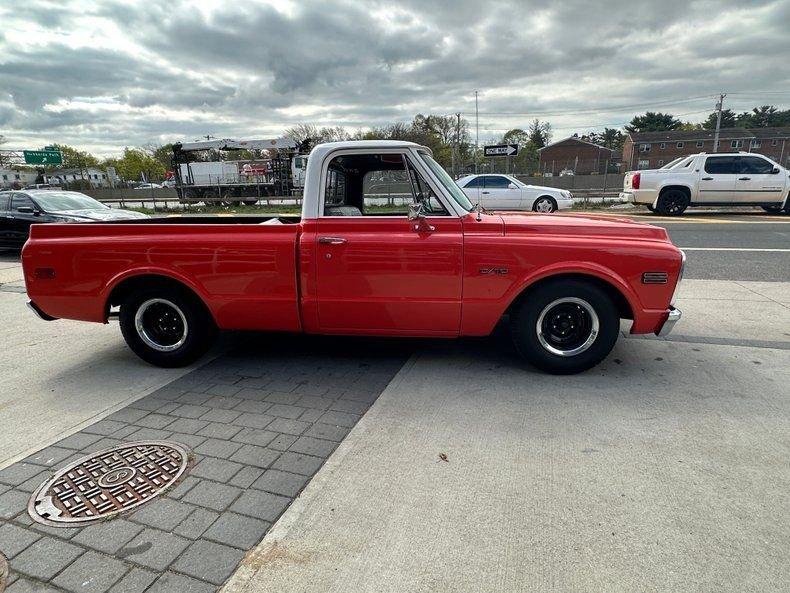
point(635, 180)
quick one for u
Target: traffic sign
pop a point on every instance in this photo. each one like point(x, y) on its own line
point(501, 150)
point(43, 157)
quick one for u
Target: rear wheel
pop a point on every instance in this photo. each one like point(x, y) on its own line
point(545, 204)
point(672, 202)
point(165, 326)
point(650, 207)
point(565, 327)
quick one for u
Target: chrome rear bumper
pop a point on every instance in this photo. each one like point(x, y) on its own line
point(672, 319)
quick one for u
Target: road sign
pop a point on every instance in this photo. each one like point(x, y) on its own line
point(501, 150)
point(43, 157)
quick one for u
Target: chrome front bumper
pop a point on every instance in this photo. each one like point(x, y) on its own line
point(672, 319)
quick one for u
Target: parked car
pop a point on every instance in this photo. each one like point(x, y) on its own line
point(22, 208)
point(504, 192)
point(148, 186)
point(717, 179)
point(436, 266)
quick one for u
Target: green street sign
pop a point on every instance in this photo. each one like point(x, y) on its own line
point(50, 148)
point(43, 157)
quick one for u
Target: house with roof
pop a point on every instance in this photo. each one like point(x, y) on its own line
point(577, 155)
point(652, 150)
point(63, 177)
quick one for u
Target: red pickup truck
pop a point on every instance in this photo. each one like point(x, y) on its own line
point(387, 244)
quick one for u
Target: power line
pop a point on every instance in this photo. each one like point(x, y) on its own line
point(593, 110)
point(590, 126)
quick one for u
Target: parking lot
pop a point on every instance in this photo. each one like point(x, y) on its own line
point(337, 464)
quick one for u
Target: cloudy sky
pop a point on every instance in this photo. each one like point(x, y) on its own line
point(103, 75)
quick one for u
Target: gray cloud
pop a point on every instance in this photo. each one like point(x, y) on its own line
point(119, 73)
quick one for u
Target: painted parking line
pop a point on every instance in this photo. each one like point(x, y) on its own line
point(758, 249)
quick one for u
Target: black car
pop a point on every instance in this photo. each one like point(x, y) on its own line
point(20, 209)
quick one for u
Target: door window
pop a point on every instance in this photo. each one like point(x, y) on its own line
point(476, 182)
point(721, 165)
point(496, 182)
point(19, 200)
point(754, 165)
point(376, 185)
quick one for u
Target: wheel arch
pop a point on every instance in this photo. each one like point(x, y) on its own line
point(678, 186)
point(616, 290)
point(123, 286)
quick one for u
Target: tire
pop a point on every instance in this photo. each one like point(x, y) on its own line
point(562, 349)
point(250, 201)
point(773, 209)
point(545, 204)
point(672, 202)
point(189, 337)
point(650, 207)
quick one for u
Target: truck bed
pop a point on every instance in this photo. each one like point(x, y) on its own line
point(241, 267)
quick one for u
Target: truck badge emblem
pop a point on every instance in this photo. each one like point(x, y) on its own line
point(497, 271)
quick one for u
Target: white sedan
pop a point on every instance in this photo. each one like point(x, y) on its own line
point(503, 192)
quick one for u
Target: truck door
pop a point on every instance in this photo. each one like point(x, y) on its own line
point(377, 271)
point(717, 179)
point(757, 181)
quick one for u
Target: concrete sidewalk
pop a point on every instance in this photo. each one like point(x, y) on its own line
point(662, 470)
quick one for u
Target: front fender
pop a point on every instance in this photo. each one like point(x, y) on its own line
point(480, 316)
point(584, 268)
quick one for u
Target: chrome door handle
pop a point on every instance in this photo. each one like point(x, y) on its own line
point(485, 192)
point(744, 178)
point(707, 179)
point(332, 240)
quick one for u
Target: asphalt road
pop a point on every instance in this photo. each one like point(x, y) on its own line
point(731, 246)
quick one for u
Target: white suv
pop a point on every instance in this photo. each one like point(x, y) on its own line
point(718, 179)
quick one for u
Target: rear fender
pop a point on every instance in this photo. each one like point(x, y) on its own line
point(168, 273)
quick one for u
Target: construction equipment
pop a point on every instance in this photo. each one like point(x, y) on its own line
point(233, 182)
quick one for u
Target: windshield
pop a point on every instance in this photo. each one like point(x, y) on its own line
point(456, 192)
point(57, 201)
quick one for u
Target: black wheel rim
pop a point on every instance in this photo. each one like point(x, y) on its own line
point(567, 326)
point(674, 203)
point(161, 325)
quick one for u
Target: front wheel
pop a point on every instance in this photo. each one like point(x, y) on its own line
point(545, 204)
point(565, 327)
point(166, 327)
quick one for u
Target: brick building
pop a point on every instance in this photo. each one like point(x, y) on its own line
point(576, 155)
point(651, 150)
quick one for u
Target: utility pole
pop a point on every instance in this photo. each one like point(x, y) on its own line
point(718, 122)
point(477, 132)
point(457, 150)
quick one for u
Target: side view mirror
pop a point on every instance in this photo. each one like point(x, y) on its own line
point(26, 210)
point(512, 186)
point(416, 211)
point(775, 171)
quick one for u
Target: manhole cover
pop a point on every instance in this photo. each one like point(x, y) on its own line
point(3, 572)
point(107, 483)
